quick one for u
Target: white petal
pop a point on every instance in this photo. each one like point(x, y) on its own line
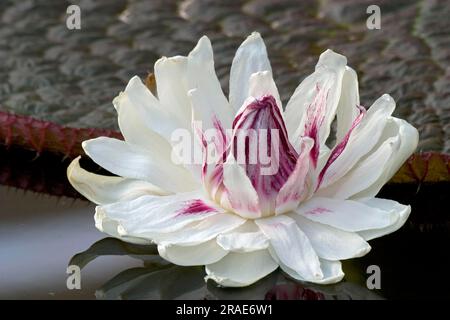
point(110, 227)
point(131, 161)
point(246, 238)
point(363, 138)
point(202, 231)
point(136, 132)
point(347, 215)
point(367, 177)
point(297, 186)
point(133, 128)
point(262, 84)
point(327, 77)
point(240, 193)
point(172, 87)
point(332, 272)
point(158, 214)
point(251, 57)
point(209, 102)
point(212, 138)
point(243, 241)
point(241, 269)
point(107, 189)
point(394, 208)
point(363, 174)
point(291, 246)
point(346, 111)
point(143, 103)
point(331, 243)
point(197, 255)
point(408, 138)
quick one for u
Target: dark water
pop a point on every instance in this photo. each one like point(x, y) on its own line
point(39, 235)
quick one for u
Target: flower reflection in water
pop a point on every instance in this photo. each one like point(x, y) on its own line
point(159, 279)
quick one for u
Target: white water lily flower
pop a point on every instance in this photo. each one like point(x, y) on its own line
point(318, 208)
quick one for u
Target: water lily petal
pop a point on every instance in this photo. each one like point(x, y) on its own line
point(212, 137)
point(298, 186)
point(107, 189)
point(262, 84)
point(241, 269)
point(211, 105)
point(346, 111)
point(134, 129)
point(363, 138)
point(313, 105)
point(331, 270)
point(364, 173)
point(158, 214)
point(243, 241)
point(131, 161)
point(109, 226)
point(408, 138)
point(137, 132)
point(331, 243)
point(291, 246)
point(182, 219)
point(366, 178)
point(171, 84)
point(240, 194)
point(250, 58)
point(347, 215)
point(199, 232)
point(205, 253)
point(261, 146)
point(142, 104)
point(394, 208)
point(247, 238)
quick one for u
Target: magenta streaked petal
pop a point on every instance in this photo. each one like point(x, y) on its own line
point(315, 116)
point(365, 136)
point(308, 105)
point(195, 206)
point(263, 118)
point(299, 185)
point(214, 183)
point(212, 169)
point(339, 148)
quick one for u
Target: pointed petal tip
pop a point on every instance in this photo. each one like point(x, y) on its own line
point(254, 35)
point(84, 145)
point(73, 166)
point(202, 50)
point(135, 79)
point(331, 57)
point(387, 97)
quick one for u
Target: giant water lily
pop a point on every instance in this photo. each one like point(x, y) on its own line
point(316, 208)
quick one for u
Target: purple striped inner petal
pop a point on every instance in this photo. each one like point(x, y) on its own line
point(315, 116)
point(339, 148)
point(263, 118)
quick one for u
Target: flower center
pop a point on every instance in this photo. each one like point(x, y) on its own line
point(260, 145)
